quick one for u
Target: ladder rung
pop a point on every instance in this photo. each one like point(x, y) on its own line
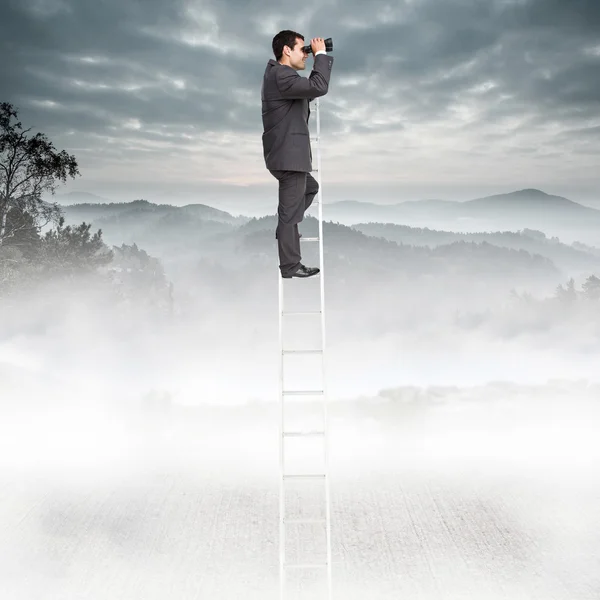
point(305, 565)
point(302, 433)
point(304, 520)
point(304, 476)
point(303, 393)
point(301, 351)
point(301, 312)
point(310, 239)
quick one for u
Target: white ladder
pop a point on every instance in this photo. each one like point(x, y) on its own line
point(285, 434)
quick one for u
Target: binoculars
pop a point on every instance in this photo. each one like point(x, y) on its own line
point(328, 46)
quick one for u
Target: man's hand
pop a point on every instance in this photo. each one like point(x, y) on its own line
point(317, 44)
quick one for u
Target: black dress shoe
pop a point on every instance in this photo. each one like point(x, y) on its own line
point(303, 272)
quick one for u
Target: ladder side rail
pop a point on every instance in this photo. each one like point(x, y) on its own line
point(281, 449)
point(324, 378)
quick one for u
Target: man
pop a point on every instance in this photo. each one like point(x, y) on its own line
point(285, 99)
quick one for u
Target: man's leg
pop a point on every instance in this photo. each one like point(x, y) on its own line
point(312, 187)
point(292, 191)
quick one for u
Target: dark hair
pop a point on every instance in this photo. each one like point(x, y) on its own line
point(284, 38)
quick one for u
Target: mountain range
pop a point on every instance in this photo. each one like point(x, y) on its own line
point(194, 230)
point(529, 208)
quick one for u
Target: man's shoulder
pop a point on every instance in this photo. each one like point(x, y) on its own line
point(286, 70)
point(279, 68)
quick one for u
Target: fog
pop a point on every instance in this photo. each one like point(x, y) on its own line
point(139, 429)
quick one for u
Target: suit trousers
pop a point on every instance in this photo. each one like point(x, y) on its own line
point(297, 190)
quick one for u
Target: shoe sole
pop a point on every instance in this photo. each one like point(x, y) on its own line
point(299, 277)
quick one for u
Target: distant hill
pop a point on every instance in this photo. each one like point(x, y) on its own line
point(529, 200)
point(175, 234)
point(77, 198)
point(92, 211)
point(355, 254)
point(127, 210)
point(128, 222)
point(529, 208)
point(571, 258)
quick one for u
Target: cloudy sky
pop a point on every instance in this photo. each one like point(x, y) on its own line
point(450, 99)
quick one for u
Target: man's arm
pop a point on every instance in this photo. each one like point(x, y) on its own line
point(293, 86)
point(318, 52)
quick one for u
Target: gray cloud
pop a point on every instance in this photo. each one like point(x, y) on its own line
point(170, 92)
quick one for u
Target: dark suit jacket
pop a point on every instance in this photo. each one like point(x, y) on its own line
point(285, 99)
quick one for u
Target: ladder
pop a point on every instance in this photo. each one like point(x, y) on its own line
point(320, 478)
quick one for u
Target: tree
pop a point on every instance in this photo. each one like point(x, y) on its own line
point(70, 250)
point(591, 287)
point(24, 233)
point(29, 166)
point(140, 278)
point(566, 294)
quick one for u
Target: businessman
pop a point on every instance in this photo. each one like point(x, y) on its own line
point(285, 99)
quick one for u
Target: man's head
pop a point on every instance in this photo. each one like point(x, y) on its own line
point(287, 47)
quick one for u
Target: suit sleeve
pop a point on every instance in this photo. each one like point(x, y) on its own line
point(292, 86)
